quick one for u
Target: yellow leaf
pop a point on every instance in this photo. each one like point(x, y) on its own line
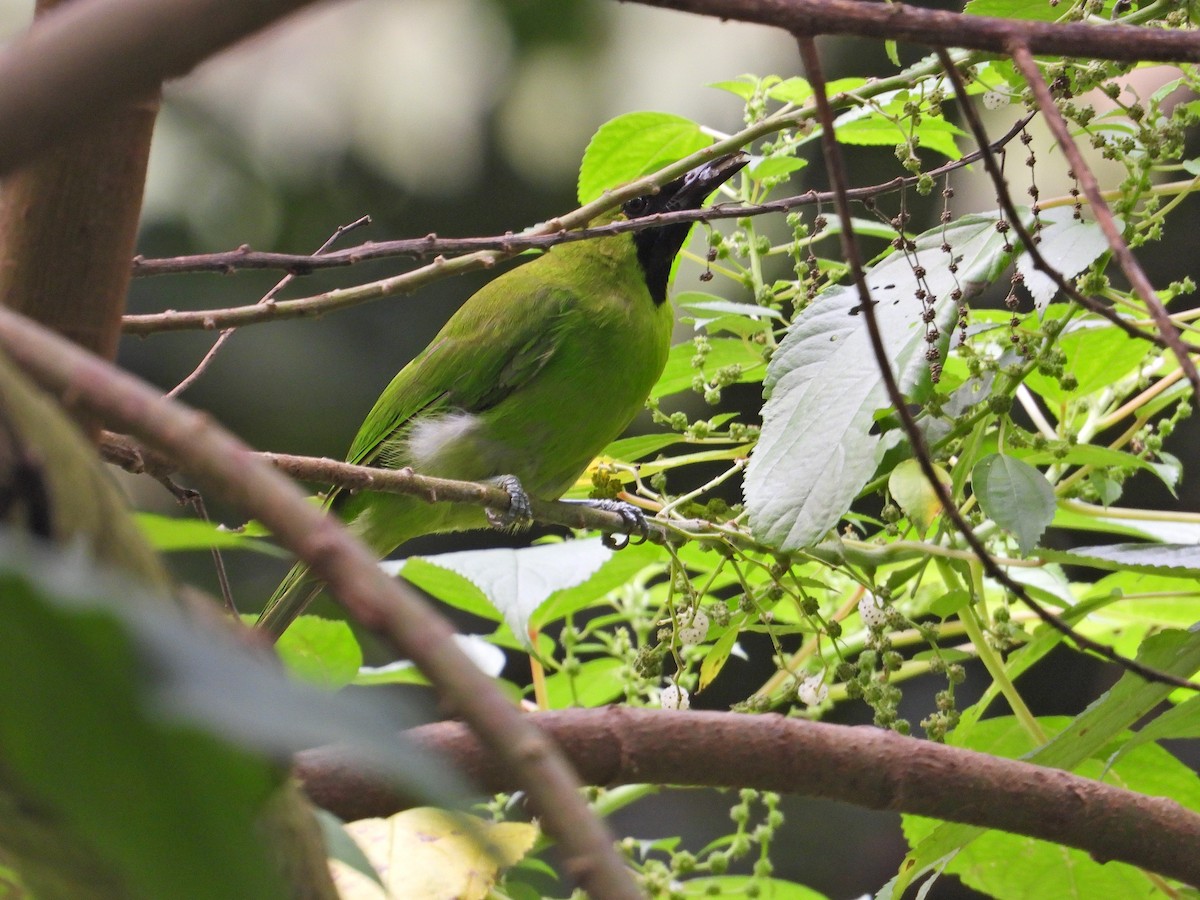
point(432, 854)
point(914, 494)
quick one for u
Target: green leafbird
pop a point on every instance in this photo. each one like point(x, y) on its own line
point(533, 376)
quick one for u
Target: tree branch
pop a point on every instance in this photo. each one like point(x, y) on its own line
point(229, 261)
point(230, 469)
point(1005, 199)
point(1025, 64)
point(835, 163)
point(931, 28)
point(862, 765)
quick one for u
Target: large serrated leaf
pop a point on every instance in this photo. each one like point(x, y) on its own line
point(1068, 244)
point(1015, 496)
point(633, 145)
point(823, 386)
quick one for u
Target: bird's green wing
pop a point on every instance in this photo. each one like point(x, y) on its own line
point(493, 345)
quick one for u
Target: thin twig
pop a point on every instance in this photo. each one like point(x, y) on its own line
point(230, 261)
point(268, 297)
point(1008, 205)
point(837, 173)
point(1141, 285)
point(231, 470)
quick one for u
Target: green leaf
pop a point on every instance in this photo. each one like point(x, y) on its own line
point(875, 129)
point(1069, 245)
point(631, 449)
point(776, 167)
point(1131, 698)
point(742, 87)
point(1179, 560)
point(446, 585)
point(1014, 9)
point(949, 603)
point(158, 744)
point(1097, 356)
point(795, 90)
point(1180, 722)
point(1136, 604)
point(680, 373)
point(633, 145)
point(893, 52)
point(738, 886)
point(1015, 496)
point(1048, 869)
point(321, 651)
point(712, 314)
point(843, 85)
point(823, 388)
point(1086, 455)
point(595, 683)
point(168, 534)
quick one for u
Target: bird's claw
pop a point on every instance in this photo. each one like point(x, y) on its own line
point(632, 516)
point(519, 514)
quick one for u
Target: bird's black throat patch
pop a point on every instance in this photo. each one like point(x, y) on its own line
point(656, 252)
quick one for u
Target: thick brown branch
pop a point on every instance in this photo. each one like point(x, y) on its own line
point(229, 469)
point(862, 765)
point(931, 27)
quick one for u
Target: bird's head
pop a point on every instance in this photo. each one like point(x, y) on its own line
point(658, 247)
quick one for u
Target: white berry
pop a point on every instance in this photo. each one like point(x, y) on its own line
point(871, 612)
point(995, 99)
point(812, 691)
point(674, 697)
point(694, 631)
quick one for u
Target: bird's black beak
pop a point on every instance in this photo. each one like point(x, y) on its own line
point(690, 191)
point(658, 246)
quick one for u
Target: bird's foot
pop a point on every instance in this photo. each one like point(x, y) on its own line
point(634, 518)
point(519, 514)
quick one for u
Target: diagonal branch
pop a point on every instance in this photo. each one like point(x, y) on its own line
point(229, 261)
point(229, 468)
point(865, 766)
point(1141, 285)
point(1004, 197)
point(837, 172)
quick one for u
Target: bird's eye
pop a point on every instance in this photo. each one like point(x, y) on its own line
point(637, 206)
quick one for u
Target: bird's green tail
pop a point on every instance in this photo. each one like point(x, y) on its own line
point(294, 593)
